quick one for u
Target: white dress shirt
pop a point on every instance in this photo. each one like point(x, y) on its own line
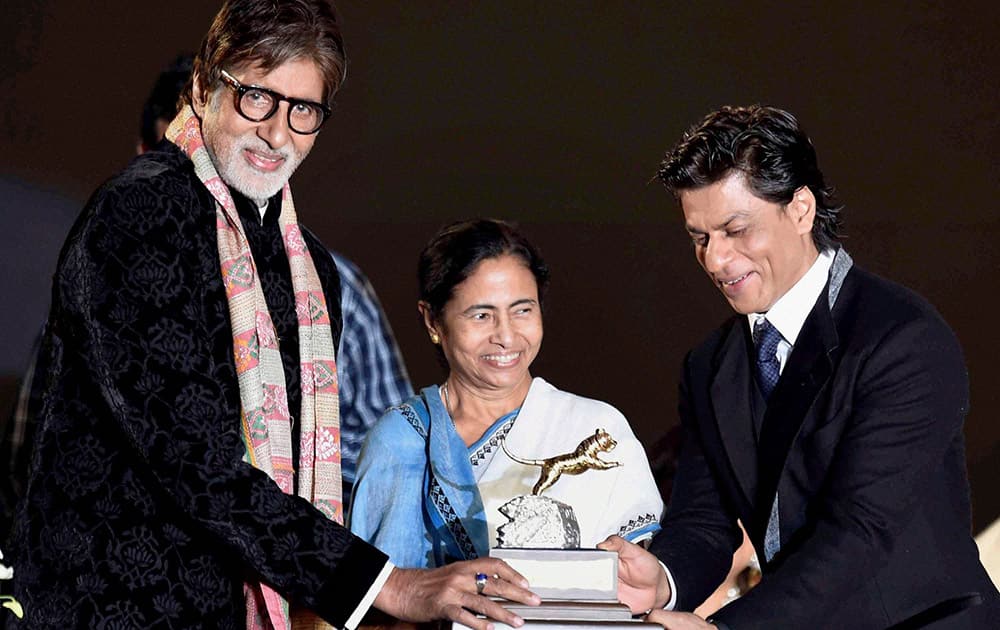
point(789, 313)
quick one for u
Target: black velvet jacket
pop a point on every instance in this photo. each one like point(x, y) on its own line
point(140, 512)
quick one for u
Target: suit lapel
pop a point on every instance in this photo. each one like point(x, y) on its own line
point(808, 369)
point(730, 391)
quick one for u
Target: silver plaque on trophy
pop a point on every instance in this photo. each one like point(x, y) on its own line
point(541, 541)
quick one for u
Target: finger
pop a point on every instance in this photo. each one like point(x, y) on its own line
point(502, 588)
point(658, 616)
point(499, 568)
point(619, 545)
point(494, 610)
point(481, 581)
point(466, 618)
point(667, 619)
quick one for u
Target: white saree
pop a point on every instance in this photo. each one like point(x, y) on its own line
point(426, 498)
point(623, 500)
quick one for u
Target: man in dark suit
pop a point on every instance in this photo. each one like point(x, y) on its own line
point(826, 415)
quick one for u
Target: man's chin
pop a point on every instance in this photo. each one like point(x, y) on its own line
point(257, 191)
point(741, 307)
point(260, 196)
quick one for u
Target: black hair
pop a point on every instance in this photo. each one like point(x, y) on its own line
point(768, 148)
point(161, 104)
point(453, 254)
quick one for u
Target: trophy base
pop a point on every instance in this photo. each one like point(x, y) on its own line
point(566, 574)
point(530, 624)
point(578, 587)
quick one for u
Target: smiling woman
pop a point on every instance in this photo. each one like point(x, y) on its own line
point(437, 468)
point(490, 332)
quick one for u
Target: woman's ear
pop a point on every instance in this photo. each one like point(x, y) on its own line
point(428, 316)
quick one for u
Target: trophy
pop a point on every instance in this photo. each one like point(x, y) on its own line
point(541, 538)
point(539, 522)
point(541, 541)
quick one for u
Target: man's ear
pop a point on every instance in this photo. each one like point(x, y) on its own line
point(197, 96)
point(802, 209)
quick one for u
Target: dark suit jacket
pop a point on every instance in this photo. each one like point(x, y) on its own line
point(862, 442)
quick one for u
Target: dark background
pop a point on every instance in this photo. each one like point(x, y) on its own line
point(555, 114)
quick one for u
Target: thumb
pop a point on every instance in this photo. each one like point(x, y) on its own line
point(612, 543)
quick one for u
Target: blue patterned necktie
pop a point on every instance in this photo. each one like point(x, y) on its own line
point(766, 338)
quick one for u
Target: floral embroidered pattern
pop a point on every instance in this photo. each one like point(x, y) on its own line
point(141, 512)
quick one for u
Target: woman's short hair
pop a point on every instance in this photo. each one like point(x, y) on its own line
point(453, 254)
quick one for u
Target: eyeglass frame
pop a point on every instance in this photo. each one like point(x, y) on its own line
point(239, 90)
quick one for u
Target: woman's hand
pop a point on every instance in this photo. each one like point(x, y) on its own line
point(450, 592)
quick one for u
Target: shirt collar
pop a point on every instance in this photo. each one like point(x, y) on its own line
point(789, 313)
point(250, 211)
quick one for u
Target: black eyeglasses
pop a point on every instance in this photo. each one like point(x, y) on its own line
point(257, 104)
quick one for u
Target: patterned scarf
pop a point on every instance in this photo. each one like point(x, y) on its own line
point(265, 418)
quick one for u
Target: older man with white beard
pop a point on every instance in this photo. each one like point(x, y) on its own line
point(186, 470)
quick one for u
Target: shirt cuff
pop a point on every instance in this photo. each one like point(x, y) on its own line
point(369, 598)
point(673, 589)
